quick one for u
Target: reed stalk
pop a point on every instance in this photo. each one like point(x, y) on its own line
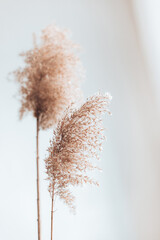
point(52, 214)
point(38, 195)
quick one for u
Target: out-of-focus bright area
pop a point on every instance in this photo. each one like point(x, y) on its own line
point(121, 42)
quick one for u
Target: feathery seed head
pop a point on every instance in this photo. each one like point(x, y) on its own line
point(51, 78)
point(77, 139)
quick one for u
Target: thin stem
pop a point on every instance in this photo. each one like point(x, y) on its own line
point(52, 214)
point(38, 197)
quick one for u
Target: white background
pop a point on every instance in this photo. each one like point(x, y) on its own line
point(121, 42)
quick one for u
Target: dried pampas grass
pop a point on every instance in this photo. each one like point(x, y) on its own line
point(77, 139)
point(49, 82)
point(51, 78)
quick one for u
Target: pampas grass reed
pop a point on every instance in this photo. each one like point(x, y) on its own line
point(76, 140)
point(49, 82)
